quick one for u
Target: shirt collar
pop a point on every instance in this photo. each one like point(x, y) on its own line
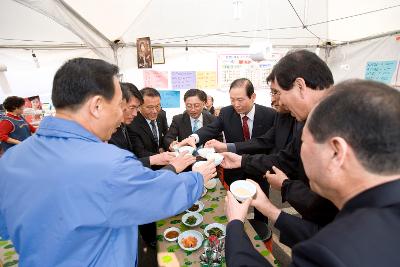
point(200, 119)
point(250, 114)
point(376, 197)
point(57, 127)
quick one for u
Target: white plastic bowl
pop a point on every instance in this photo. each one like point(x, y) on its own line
point(171, 229)
point(242, 190)
point(195, 234)
point(216, 157)
point(203, 152)
point(211, 183)
point(213, 225)
point(189, 149)
point(199, 218)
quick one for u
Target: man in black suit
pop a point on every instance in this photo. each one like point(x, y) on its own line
point(240, 121)
point(148, 129)
point(146, 134)
point(351, 154)
point(302, 79)
point(190, 121)
point(274, 140)
point(132, 99)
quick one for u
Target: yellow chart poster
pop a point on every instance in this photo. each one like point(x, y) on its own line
point(206, 79)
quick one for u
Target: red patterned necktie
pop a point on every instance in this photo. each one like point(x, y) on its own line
point(245, 126)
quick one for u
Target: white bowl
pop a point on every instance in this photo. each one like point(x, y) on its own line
point(211, 183)
point(196, 234)
point(198, 163)
point(199, 218)
point(171, 229)
point(200, 208)
point(189, 149)
point(216, 157)
point(217, 225)
point(242, 190)
point(203, 152)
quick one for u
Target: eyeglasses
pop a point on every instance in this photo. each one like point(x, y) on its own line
point(274, 92)
point(195, 106)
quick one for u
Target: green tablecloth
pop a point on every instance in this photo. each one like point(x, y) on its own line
point(171, 255)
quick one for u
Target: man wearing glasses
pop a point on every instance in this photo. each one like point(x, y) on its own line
point(147, 131)
point(189, 121)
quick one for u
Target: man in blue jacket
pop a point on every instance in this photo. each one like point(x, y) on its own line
point(69, 199)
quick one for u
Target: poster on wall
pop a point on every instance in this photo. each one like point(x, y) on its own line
point(170, 98)
point(206, 80)
point(33, 109)
point(183, 79)
point(143, 48)
point(381, 71)
point(235, 66)
point(155, 79)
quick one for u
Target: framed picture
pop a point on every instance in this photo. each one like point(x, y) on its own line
point(143, 47)
point(158, 55)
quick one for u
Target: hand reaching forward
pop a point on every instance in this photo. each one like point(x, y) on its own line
point(217, 145)
point(207, 169)
point(276, 180)
point(182, 161)
point(189, 141)
point(231, 160)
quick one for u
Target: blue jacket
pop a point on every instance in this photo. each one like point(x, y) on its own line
point(67, 199)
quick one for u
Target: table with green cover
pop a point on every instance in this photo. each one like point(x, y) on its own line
point(171, 255)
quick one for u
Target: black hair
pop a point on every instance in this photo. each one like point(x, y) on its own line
point(366, 114)
point(80, 78)
point(243, 82)
point(302, 64)
point(195, 92)
point(129, 90)
point(151, 92)
point(11, 103)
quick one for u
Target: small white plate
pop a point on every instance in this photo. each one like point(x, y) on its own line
point(196, 234)
point(217, 225)
point(198, 216)
point(200, 204)
point(171, 229)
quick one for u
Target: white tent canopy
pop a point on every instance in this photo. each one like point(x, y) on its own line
point(56, 30)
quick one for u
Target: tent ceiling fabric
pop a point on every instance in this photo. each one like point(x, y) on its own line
point(201, 22)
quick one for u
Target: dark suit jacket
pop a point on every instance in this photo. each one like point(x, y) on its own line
point(141, 136)
point(364, 233)
point(296, 190)
point(274, 140)
point(230, 123)
point(182, 128)
point(118, 139)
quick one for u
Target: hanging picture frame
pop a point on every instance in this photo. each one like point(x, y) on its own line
point(144, 53)
point(158, 55)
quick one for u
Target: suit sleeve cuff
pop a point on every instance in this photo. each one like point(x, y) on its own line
point(231, 147)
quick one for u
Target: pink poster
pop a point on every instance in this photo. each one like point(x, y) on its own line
point(155, 79)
